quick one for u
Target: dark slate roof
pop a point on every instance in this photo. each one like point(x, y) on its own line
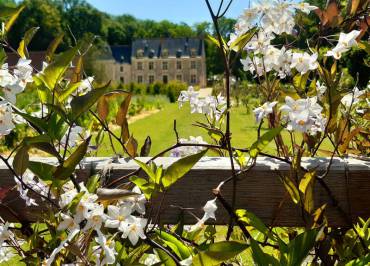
point(175, 46)
point(121, 53)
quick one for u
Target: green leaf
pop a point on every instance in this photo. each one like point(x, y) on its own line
point(213, 40)
point(7, 11)
point(292, 189)
point(81, 104)
point(56, 69)
point(299, 81)
point(53, 47)
point(68, 91)
point(22, 49)
point(263, 141)
point(363, 261)
point(36, 139)
point(165, 258)
point(13, 18)
point(74, 203)
point(252, 220)
point(146, 187)
point(261, 258)
point(182, 248)
point(35, 122)
point(147, 169)
point(300, 246)
point(219, 252)
point(306, 186)
point(179, 168)
point(241, 41)
point(93, 183)
point(21, 159)
point(65, 170)
point(2, 56)
point(42, 170)
point(364, 45)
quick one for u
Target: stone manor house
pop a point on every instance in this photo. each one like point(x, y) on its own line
point(150, 60)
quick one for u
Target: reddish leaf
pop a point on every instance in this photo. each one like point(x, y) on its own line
point(3, 192)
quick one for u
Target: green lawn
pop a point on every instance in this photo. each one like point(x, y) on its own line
point(159, 127)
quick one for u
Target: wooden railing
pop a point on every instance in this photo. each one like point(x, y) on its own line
point(259, 191)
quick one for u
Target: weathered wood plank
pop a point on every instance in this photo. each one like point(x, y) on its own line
point(260, 191)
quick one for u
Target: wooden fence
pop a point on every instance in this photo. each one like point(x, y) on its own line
point(259, 191)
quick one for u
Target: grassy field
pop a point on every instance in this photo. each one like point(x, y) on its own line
point(159, 127)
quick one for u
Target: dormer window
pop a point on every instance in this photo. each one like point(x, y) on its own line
point(151, 53)
point(139, 53)
point(178, 53)
point(165, 53)
point(193, 52)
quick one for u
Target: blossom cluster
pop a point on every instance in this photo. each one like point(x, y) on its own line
point(14, 82)
point(183, 151)
point(274, 19)
point(211, 106)
point(6, 252)
point(90, 214)
point(304, 115)
point(32, 182)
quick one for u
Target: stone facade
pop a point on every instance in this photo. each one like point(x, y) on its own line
point(151, 60)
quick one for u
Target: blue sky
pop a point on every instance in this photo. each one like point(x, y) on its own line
point(189, 11)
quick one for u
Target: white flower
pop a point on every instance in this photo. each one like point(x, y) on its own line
point(5, 77)
point(264, 110)
point(259, 42)
point(282, 62)
point(199, 224)
point(352, 98)
point(210, 209)
point(345, 42)
point(95, 218)
point(118, 216)
point(5, 233)
point(86, 85)
point(305, 7)
point(304, 115)
point(37, 185)
point(137, 202)
point(63, 244)
point(74, 136)
point(67, 223)
point(108, 247)
point(134, 230)
point(186, 96)
point(188, 150)
point(6, 253)
point(254, 65)
point(86, 204)
point(6, 124)
point(151, 259)
point(304, 62)
point(187, 262)
point(209, 213)
point(320, 89)
point(211, 106)
point(23, 70)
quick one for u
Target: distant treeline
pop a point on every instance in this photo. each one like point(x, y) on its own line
point(75, 18)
